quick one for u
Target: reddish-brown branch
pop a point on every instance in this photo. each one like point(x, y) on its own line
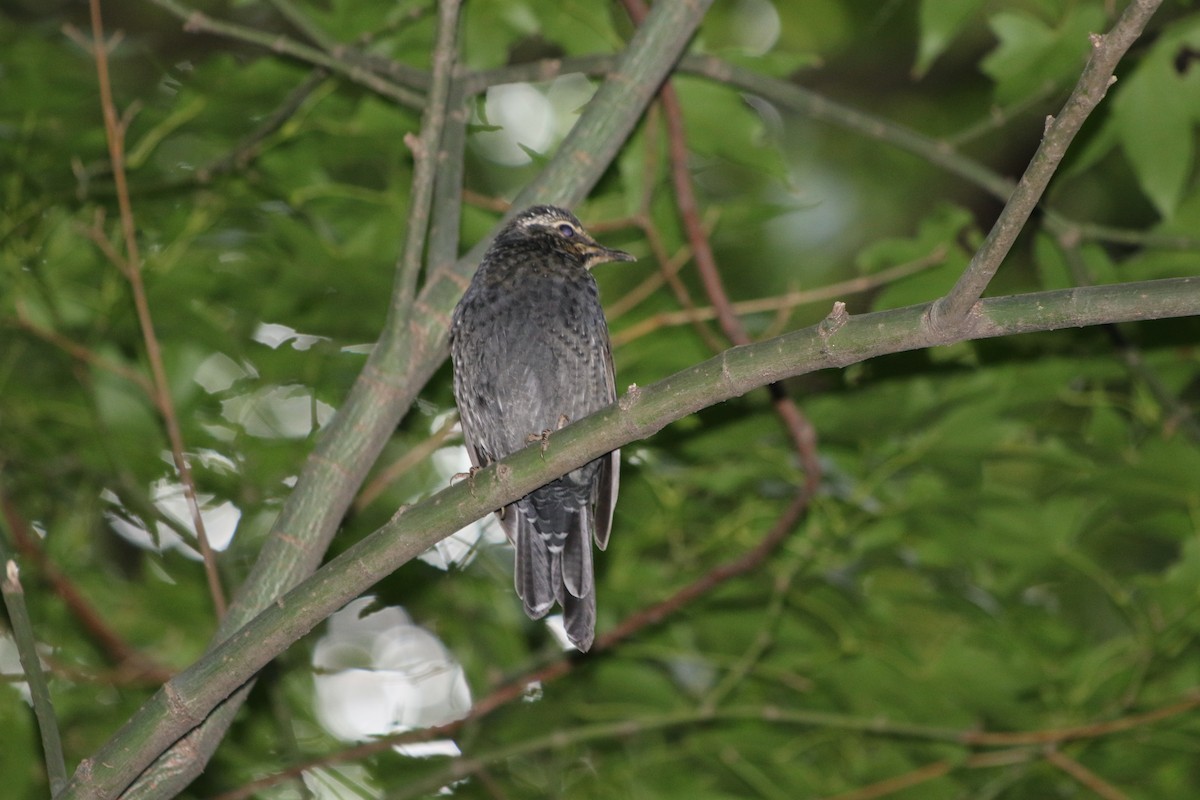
point(1085, 776)
point(668, 273)
point(934, 770)
point(1054, 735)
point(803, 435)
point(747, 562)
point(114, 130)
point(781, 304)
point(898, 783)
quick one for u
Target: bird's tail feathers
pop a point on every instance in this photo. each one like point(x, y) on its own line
point(556, 566)
point(579, 619)
point(532, 575)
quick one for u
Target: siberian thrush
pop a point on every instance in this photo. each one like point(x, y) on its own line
point(530, 349)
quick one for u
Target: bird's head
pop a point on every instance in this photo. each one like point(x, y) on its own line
point(559, 230)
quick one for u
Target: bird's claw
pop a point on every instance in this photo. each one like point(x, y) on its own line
point(544, 436)
point(469, 476)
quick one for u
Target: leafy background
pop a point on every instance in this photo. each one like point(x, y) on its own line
point(1005, 540)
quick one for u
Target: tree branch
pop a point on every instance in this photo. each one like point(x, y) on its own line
point(426, 152)
point(838, 341)
point(31, 665)
point(131, 266)
point(1093, 84)
point(198, 22)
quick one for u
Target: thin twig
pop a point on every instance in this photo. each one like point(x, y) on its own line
point(1085, 776)
point(115, 134)
point(999, 117)
point(1093, 84)
point(198, 22)
point(668, 273)
point(292, 13)
point(898, 783)
point(251, 145)
point(413, 456)
point(84, 354)
point(668, 265)
point(935, 770)
point(1090, 731)
point(39, 689)
point(427, 150)
point(789, 300)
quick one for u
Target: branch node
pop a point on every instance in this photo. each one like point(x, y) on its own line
point(631, 397)
point(12, 579)
point(196, 22)
point(933, 320)
point(178, 706)
point(413, 142)
point(503, 474)
point(834, 320)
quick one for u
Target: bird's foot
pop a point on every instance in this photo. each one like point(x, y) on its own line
point(469, 476)
point(544, 436)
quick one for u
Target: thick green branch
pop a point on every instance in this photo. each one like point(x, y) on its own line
point(837, 341)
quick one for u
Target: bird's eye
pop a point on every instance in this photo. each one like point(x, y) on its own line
point(566, 230)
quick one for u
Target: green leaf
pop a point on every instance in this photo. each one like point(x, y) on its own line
point(940, 22)
point(1155, 112)
point(937, 242)
point(1031, 53)
point(721, 124)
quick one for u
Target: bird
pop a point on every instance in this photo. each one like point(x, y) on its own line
point(530, 351)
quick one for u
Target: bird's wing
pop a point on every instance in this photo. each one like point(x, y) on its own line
point(608, 479)
point(472, 452)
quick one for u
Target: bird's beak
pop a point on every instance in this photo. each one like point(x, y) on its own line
point(594, 254)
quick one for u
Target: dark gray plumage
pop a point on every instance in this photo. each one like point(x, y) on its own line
point(530, 349)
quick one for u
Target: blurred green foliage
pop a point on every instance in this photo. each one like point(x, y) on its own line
point(1007, 537)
